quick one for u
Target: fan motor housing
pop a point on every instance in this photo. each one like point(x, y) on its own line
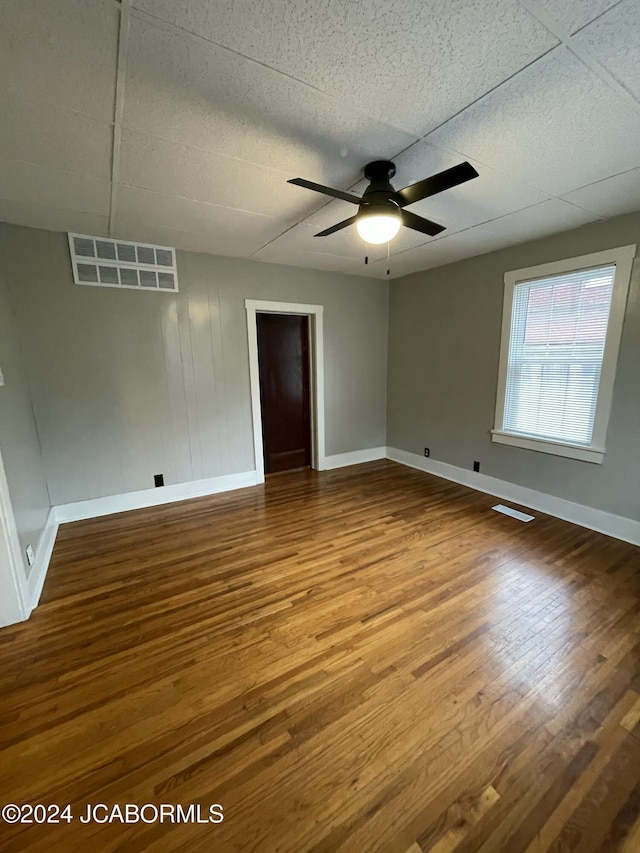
point(380, 170)
point(378, 204)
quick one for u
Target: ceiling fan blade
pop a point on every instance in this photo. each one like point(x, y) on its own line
point(419, 223)
point(319, 188)
point(436, 184)
point(344, 224)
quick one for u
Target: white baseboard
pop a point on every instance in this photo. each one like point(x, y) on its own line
point(38, 572)
point(613, 525)
point(355, 457)
point(120, 503)
point(603, 522)
point(153, 497)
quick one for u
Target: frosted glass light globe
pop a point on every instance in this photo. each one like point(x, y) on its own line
point(378, 228)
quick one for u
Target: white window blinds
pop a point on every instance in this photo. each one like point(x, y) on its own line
point(556, 347)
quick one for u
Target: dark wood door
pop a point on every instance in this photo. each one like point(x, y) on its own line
point(283, 355)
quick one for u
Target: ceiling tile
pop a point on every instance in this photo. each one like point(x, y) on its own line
point(489, 195)
point(445, 250)
point(552, 123)
point(272, 254)
point(346, 242)
point(614, 40)
point(486, 197)
point(611, 197)
point(405, 61)
point(573, 14)
point(47, 135)
point(62, 52)
point(400, 265)
point(211, 136)
point(187, 90)
point(302, 238)
point(149, 208)
point(376, 271)
point(38, 185)
point(239, 246)
point(53, 218)
point(550, 217)
point(203, 176)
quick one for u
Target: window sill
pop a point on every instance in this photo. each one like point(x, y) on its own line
point(556, 448)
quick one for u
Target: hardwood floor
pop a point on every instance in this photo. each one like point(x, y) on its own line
point(363, 659)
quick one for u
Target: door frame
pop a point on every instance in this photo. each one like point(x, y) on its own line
point(316, 375)
point(12, 575)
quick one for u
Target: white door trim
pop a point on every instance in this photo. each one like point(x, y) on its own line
point(316, 359)
point(13, 580)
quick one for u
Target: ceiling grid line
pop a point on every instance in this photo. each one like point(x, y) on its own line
point(206, 203)
point(355, 184)
point(168, 25)
point(596, 17)
point(491, 90)
point(121, 70)
point(580, 52)
point(161, 126)
point(171, 26)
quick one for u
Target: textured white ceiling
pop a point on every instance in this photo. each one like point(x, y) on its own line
point(180, 123)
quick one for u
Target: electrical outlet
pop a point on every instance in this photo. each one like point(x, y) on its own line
point(31, 557)
point(476, 466)
point(427, 452)
point(158, 480)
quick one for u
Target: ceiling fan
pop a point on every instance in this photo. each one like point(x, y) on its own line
point(382, 208)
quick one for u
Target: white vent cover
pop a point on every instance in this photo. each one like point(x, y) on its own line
point(103, 262)
point(514, 513)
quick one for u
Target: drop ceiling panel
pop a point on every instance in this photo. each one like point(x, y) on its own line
point(614, 40)
point(573, 14)
point(422, 62)
point(541, 220)
point(40, 133)
point(63, 53)
point(273, 254)
point(227, 99)
point(445, 250)
point(25, 182)
point(52, 218)
point(611, 197)
point(239, 246)
point(555, 123)
point(187, 90)
point(488, 196)
point(155, 209)
point(181, 170)
point(332, 211)
point(301, 238)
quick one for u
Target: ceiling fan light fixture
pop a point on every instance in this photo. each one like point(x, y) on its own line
point(378, 228)
point(382, 208)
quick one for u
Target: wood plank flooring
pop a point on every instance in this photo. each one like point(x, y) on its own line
point(357, 660)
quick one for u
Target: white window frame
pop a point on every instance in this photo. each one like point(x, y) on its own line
point(622, 257)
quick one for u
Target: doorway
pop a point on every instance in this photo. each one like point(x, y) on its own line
point(13, 595)
point(314, 317)
point(283, 361)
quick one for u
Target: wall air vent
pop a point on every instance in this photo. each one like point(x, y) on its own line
point(102, 262)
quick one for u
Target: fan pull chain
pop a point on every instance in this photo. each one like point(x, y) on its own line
point(388, 261)
point(366, 257)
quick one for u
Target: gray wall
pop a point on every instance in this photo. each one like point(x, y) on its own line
point(127, 384)
point(444, 345)
point(18, 437)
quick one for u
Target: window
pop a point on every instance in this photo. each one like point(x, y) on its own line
point(561, 329)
